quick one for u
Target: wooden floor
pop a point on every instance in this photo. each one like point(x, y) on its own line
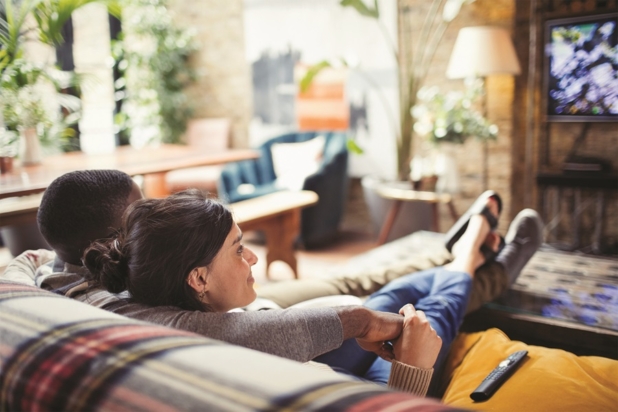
point(311, 263)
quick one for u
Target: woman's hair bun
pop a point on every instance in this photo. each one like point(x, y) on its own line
point(107, 264)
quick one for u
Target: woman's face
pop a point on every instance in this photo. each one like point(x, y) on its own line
point(229, 283)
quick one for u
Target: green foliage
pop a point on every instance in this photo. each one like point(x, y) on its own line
point(362, 8)
point(413, 58)
point(51, 15)
point(451, 117)
point(21, 83)
point(156, 74)
point(313, 71)
point(23, 106)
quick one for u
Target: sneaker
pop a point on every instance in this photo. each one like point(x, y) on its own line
point(524, 237)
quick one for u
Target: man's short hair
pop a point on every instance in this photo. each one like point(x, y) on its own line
point(79, 204)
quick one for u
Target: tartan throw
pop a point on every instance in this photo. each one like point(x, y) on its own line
point(57, 354)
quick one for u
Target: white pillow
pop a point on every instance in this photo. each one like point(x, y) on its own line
point(294, 162)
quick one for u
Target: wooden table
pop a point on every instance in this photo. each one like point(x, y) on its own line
point(153, 162)
point(400, 195)
point(278, 216)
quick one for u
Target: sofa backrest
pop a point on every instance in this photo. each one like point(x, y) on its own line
point(60, 354)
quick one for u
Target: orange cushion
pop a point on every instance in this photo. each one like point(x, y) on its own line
point(547, 380)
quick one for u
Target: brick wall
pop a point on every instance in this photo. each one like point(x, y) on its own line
point(551, 142)
point(223, 88)
point(500, 91)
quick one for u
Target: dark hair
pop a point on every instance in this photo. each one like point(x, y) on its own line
point(159, 243)
point(82, 204)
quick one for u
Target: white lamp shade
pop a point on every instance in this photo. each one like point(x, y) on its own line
point(482, 51)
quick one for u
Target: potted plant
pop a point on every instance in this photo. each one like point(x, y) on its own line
point(446, 120)
point(26, 108)
point(28, 101)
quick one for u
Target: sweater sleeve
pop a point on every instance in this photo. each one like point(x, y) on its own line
point(297, 334)
point(409, 379)
point(25, 267)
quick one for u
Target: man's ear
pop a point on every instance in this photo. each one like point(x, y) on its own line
point(197, 279)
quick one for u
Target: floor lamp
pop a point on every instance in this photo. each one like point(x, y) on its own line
point(480, 52)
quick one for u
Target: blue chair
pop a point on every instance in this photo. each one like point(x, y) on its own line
point(319, 223)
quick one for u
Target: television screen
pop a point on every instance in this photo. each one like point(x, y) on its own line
point(581, 78)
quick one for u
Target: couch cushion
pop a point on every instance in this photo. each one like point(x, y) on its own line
point(61, 354)
point(547, 380)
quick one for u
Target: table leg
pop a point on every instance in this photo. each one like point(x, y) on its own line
point(388, 222)
point(281, 233)
point(154, 186)
point(435, 224)
point(453, 211)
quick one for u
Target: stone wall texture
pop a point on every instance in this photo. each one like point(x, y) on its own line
point(500, 91)
point(223, 87)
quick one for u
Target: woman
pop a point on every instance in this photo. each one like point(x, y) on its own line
point(186, 251)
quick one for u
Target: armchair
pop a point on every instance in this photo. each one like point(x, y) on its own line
point(253, 178)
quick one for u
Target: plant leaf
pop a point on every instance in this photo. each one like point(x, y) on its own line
point(313, 71)
point(362, 8)
point(353, 147)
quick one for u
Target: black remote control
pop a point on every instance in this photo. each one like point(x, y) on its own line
point(497, 377)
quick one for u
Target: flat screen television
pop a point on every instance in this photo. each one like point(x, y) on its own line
point(581, 70)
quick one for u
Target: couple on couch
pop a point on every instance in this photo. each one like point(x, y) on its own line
point(180, 262)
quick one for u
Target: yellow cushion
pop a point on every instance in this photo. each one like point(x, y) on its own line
point(547, 380)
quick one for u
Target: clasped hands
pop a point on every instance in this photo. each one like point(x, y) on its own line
point(414, 341)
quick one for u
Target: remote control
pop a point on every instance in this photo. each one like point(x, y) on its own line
point(497, 377)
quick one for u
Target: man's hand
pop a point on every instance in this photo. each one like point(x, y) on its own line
point(419, 344)
point(371, 329)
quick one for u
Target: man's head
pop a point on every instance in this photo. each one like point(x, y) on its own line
point(83, 206)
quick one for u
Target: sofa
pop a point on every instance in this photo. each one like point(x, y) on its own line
point(329, 179)
point(57, 354)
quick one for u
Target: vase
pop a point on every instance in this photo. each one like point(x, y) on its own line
point(446, 169)
point(30, 151)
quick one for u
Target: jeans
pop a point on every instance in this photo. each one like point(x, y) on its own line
point(440, 293)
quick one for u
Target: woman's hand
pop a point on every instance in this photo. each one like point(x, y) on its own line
point(418, 344)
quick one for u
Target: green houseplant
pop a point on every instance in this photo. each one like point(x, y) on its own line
point(23, 84)
point(153, 75)
point(451, 117)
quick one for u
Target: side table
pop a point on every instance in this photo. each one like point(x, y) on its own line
point(402, 194)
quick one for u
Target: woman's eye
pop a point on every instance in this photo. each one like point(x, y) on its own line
point(240, 250)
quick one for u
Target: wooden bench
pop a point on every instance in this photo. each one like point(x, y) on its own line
point(278, 216)
point(19, 210)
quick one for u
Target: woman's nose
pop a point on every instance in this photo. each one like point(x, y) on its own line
point(251, 257)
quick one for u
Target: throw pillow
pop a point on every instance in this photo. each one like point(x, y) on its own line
point(294, 162)
point(547, 380)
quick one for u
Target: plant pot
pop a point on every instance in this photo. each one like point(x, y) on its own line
point(6, 164)
point(30, 151)
point(412, 216)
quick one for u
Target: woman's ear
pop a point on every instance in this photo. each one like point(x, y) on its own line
point(197, 279)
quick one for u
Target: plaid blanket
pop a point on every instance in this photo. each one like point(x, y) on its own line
point(57, 354)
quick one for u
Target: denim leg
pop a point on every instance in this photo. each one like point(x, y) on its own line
point(416, 288)
point(444, 304)
point(408, 289)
